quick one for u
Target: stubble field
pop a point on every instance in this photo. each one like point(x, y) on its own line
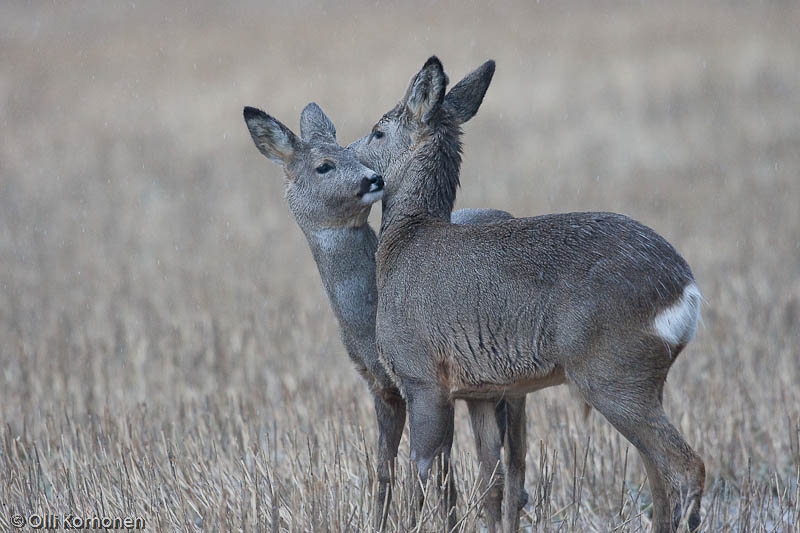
point(166, 348)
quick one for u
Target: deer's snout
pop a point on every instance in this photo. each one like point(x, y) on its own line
point(372, 184)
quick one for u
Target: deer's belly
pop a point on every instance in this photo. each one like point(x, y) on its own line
point(515, 388)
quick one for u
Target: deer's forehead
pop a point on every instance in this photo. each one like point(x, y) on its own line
point(326, 150)
point(393, 115)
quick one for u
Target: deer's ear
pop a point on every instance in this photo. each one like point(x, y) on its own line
point(272, 138)
point(426, 92)
point(466, 96)
point(314, 123)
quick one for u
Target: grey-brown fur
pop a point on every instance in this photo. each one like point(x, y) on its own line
point(344, 246)
point(522, 304)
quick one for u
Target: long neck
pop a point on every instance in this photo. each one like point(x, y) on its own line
point(428, 178)
point(346, 261)
point(345, 258)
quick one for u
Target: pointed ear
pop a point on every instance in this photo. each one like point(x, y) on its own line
point(466, 96)
point(314, 123)
point(426, 92)
point(272, 138)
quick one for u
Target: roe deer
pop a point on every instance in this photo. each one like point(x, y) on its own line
point(594, 299)
point(330, 193)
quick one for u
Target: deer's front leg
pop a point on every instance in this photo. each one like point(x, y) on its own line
point(390, 410)
point(488, 441)
point(431, 423)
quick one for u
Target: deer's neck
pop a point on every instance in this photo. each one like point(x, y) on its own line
point(428, 179)
point(345, 258)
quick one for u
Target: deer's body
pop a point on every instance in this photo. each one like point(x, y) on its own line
point(595, 299)
point(540, 292)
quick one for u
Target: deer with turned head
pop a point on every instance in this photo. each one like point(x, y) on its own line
point(330, 194)
point(596, 300)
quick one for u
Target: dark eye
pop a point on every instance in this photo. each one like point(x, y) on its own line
point(377, 134)
point(324, 167)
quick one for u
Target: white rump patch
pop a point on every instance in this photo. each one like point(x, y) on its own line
point(677, 324)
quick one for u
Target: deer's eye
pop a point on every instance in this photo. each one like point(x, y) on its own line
point(324, 167)
point(377, 134)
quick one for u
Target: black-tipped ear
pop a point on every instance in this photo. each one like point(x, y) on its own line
point(315, 124)
point(466, 96)
point(272, 138)
point(426, 92)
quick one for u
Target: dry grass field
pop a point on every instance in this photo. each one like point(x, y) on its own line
point(166, 347)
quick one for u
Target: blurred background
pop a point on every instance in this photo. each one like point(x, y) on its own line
point(152, 278)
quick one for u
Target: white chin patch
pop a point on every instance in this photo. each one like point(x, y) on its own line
point(372, 197)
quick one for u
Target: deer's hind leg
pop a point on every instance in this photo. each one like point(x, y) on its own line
point(626, 387)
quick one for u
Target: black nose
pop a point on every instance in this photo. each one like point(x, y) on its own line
point(372, 184)
point(377, 179)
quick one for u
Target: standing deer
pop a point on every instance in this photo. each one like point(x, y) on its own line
point(597, 300)
point(330, 193)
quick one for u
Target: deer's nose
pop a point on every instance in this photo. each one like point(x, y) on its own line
point(372, 184)
point(377, 179)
